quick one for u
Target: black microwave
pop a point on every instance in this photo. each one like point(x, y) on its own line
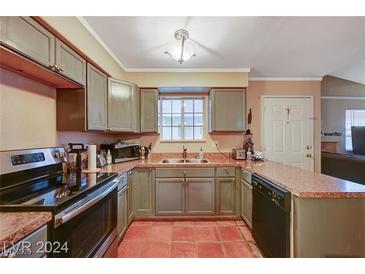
point(122, 152)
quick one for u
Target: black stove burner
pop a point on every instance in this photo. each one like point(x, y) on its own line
point(52, 193)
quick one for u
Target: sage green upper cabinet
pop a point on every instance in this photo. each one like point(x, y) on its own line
point(227, 110)
point(26, 36)
point(123, 106)
point(97, 96)
point(144, 189)
point(69, 63)
point(149, 102)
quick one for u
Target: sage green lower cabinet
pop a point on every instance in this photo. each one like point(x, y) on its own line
point(200, 196)
point(226, 192)
point(130, 197)
point(122, 212)
point(143, 182)
point(170, 196)
point(246, 202)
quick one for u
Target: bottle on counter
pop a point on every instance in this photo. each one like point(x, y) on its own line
point(249, 155)
point(201, 153)
point(149, 155)
point(143, 153)
point(108, 158)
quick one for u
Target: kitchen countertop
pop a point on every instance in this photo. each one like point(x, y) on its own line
point(14, 226)
point(302, 183)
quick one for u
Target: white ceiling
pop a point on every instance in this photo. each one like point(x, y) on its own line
point(269, 46)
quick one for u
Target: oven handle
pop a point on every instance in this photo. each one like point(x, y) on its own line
point(69, 215)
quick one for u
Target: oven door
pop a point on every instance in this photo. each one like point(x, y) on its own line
point(89, 227)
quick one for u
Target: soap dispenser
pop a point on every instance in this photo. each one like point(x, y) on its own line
point(201, 153)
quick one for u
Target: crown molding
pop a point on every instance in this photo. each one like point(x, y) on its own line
point(284, 78)
point(184, 69)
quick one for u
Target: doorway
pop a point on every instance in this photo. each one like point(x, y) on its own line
point(287, 130)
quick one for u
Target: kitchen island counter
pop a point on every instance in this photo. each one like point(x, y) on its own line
point(14, 226)
point(302, 183)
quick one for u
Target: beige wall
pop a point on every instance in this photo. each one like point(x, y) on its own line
point(27, 112)
point(188, 79)
point(334, 110)
point(259, 88)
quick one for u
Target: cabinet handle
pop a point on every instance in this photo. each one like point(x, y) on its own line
point(53, 67)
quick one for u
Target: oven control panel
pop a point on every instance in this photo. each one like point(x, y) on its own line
point(27, 158)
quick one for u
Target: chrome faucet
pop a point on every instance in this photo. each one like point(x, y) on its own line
point(184, 154)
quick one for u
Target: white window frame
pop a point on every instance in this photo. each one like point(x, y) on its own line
point(352, 124)
point(182, 119)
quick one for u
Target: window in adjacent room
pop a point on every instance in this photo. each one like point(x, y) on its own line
point(354, 117)
point(181, 118)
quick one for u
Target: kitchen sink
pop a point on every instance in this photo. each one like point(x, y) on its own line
point(196, 161)
point(184, 161)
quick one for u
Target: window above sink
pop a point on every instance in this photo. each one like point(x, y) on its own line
point(181, 118)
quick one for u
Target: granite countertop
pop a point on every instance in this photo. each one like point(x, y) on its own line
point(302, 183)
point(14, 226)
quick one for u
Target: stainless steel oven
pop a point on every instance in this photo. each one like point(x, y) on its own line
point(83, 207)
point(89, 227)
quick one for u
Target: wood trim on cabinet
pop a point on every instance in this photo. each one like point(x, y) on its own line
point(59, 36)
point(16, 62)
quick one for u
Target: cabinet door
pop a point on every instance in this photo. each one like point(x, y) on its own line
point(130, 198)
point(200, 196)
point(226, 110)
point(246, 202)
point(149, 102)
point(170, 196)
point(96, 99)
point(122, 106)
point(70, 63)
point(144, 191)
point(29, 38)
point(122, 212)
point(225, 195)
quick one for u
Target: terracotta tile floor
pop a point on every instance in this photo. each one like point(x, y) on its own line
point(188, 239)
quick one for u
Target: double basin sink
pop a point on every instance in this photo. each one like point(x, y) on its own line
point(184, 161)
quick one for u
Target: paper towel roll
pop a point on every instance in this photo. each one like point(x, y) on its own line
point(91, 155)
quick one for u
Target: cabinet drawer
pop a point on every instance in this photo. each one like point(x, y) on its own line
point(246, 175)
point(184, 172)
point(226, 172)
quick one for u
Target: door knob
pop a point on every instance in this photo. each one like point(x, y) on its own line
point(308, 155)
point(309, 147)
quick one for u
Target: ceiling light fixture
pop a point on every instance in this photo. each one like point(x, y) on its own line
point(182, 50)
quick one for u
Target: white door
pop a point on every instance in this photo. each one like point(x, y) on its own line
point(288, 130)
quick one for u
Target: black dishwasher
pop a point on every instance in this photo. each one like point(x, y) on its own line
point(271, 217)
